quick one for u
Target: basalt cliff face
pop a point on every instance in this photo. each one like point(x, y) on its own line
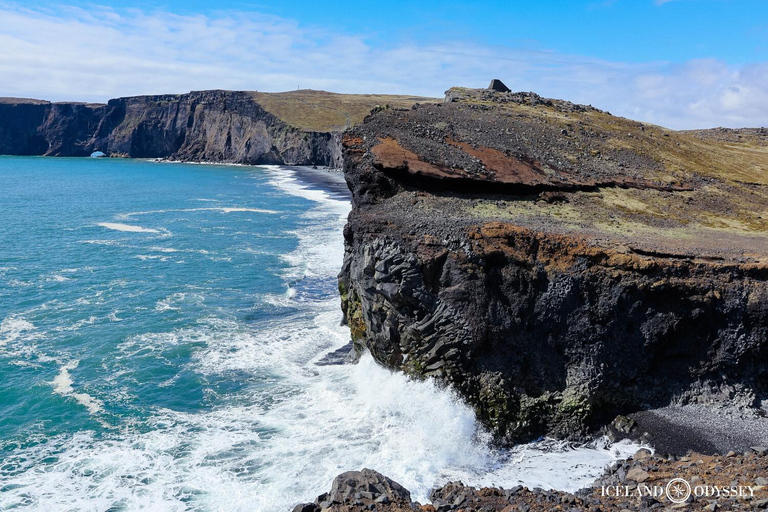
point(302, 127)
point(556, 265)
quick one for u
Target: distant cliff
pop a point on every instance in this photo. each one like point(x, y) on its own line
point(301, 127)
point(555, 264)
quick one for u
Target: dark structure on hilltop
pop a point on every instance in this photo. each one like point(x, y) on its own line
point(498, 86)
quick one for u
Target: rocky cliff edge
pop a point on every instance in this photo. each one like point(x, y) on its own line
point(557, 265)
point(294, 128)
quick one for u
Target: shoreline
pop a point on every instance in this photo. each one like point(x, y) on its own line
point(677, 431)
point(330, 179)
point(327, 178)
point(702, 428)
point(645, 481)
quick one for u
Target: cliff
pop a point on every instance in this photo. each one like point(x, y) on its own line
point(557, 265)
point(300, 127)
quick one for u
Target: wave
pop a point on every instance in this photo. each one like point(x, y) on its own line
point(320, 249)
point(284, 441)
point(13, 327)
point(126, 227)
point(289, 427)
point(222, 209)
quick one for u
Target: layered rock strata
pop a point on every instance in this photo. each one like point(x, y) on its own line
point(554, 264)
point(298, 128)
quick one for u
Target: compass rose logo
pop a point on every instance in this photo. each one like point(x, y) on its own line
point(678, 490)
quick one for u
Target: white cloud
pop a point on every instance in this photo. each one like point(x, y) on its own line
point(73, 54)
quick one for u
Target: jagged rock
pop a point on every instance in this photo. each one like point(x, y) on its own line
point(642, 454)
point(716, 471)
point(637, 474)
point(306, 507)
point(367, 485)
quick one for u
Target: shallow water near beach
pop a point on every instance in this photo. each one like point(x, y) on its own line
point(160, 329)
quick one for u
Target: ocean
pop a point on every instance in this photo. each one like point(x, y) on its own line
point(163, 334)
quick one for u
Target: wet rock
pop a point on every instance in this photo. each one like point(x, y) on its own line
point(306, 507)
point(368, 485)
point(642, 454)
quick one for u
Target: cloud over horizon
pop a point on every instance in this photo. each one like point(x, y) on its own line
point(69, 53)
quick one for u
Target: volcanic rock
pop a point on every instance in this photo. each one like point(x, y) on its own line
point(642, 283)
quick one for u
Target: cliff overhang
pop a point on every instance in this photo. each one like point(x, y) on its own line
point(555, 264)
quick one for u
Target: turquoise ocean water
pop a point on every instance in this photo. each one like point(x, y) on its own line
point(161, 327)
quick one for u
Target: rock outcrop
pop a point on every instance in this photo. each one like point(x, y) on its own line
point(366, 488)
point(215, 126)
point(554, 264)
point(646, 481)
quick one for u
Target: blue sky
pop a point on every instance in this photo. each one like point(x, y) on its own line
point(627, 30)
point(681, 63)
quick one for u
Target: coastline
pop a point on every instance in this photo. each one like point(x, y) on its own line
point(645, 481)
point(330, 179)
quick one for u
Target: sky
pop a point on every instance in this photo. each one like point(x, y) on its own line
point(677, 63)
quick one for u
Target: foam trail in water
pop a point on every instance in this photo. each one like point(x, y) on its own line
point(222, 209)
point(126, 227)
point(62, 385)
point(321, 249)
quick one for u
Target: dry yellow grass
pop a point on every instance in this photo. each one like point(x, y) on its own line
point(326, 111)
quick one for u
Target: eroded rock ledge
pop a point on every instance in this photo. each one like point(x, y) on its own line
point(554, 264)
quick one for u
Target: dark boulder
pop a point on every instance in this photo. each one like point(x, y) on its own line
point(306, 507)
point(367, 486)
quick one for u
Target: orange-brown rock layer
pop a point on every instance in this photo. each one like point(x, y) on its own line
point(554, 264)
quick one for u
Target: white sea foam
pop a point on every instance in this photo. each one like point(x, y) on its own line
point(62, 385)
point(13, 327)
point(268, 452)
point(78, 324)
point(127, 227)
point(173, 302)
point(221, 209)
point(18, 283)
point(321, 249)
point(150, 257)
point(117, 243)
point(284, 440)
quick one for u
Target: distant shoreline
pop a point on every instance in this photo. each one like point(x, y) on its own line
point(330, 179)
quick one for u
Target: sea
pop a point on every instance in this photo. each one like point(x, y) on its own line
point(165, 332)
